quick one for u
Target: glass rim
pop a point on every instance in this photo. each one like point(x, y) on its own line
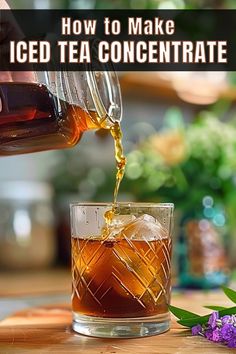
point(129, 204)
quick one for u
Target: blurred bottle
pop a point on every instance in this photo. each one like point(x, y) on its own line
point(27, 237)
point(202, 256)
point(63, 227)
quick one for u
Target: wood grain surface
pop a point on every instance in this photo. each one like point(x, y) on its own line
point(47, 329)
point(38, 282)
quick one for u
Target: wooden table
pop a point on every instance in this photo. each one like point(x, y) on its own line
point(46, 329)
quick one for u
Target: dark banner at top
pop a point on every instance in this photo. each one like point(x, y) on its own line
point(134, 40)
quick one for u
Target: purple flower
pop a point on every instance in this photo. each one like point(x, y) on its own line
point(228, 331)
point(233, 317)
point(232, 342)
point(216, 335)
point(196, 330)
point(218, 329)
point(209, 334)
point(225, 319)
point(213, 319)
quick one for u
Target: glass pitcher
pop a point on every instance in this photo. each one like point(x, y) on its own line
point(54, 110)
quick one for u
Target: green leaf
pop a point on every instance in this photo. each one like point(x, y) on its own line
point(230, 293)
point(215, 308)
point(180, 313)
point(190, 322)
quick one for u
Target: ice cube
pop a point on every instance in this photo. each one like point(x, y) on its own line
point(145, 227)
point(117, 224)
point(122, 220)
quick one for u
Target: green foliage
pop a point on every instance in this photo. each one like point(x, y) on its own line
point(230, 293)
point(163, 4)
point(189, 319)
point(190, 322)
point(186, 162)
point(215, 308)
point(180, 313)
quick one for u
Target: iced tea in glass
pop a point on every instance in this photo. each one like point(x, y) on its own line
point(121, 277)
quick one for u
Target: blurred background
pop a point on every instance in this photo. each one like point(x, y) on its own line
point(180, 140)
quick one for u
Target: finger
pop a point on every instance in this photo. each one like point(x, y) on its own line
point(24, 76)
point(5, 76)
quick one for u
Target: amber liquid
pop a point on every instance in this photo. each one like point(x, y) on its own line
point(120, 278)
point(33, 119)
point(116, 133)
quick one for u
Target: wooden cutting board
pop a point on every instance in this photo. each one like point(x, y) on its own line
point(47, 330)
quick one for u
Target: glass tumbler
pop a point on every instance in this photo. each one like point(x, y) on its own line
point(121, 274)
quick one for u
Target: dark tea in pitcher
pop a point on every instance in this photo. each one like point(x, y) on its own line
point(33, 119)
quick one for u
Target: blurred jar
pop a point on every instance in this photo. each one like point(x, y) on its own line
point(203, 261)
point(26, 225)
point(62, 221)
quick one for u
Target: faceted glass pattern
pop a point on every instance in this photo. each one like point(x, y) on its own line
point(125, 275)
